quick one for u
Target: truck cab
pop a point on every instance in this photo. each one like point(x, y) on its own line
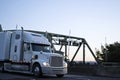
point(31, 52)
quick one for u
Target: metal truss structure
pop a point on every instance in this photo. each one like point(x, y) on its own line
point(64, 41)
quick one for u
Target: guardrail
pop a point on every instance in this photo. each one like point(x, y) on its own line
point(109, 69)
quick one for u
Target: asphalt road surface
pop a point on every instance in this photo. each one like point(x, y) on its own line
point(18, 76)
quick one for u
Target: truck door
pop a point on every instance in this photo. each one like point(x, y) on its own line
point(15, 47)
point(27, 52)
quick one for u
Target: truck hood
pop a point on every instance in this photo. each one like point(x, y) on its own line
point(51, 54)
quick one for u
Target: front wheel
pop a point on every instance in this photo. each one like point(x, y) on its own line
point(59, 75)
point(37, 70)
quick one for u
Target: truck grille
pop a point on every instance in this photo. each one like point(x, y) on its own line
point(56, 61)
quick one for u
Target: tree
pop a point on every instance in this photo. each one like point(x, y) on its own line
point(109, 53)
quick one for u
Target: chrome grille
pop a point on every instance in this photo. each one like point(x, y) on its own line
point(56, 61)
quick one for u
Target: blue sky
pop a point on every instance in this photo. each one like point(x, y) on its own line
point(93, 20)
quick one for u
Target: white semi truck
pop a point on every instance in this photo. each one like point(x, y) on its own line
point(28, 52)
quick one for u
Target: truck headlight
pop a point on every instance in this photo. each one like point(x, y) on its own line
point(46, 64)
point(65, 64)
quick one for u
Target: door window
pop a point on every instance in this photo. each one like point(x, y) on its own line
point(26, 46)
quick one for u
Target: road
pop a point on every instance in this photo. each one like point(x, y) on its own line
point(18, 76)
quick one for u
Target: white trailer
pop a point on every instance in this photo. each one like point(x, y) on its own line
point(28, 52)
point(4, 45)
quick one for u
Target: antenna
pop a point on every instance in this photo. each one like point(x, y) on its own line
point(16, 26)
point(69, 44)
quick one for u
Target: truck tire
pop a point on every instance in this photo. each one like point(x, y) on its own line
point(37, 71)
point(59, 75)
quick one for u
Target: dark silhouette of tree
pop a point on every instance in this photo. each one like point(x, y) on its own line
point(109, 53)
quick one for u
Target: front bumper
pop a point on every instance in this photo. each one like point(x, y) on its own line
point(54, 70)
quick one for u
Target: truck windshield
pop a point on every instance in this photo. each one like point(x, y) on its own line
point(40, 47)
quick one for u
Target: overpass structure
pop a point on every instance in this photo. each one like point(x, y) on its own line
point(64, 41)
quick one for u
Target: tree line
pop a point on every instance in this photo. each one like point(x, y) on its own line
point(109, 53)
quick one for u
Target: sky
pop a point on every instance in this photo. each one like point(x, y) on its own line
point(98, 21)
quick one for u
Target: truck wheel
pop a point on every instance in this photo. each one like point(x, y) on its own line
point(59, 75)
point(37, 70)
